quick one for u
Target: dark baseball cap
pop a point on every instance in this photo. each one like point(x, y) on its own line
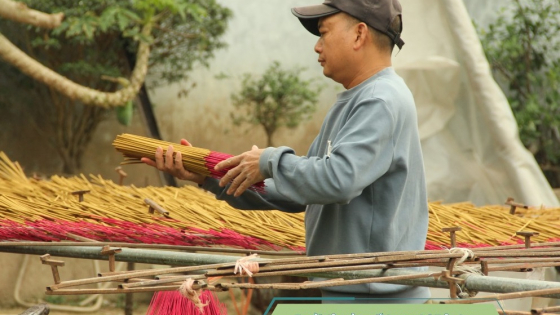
point(379, 14)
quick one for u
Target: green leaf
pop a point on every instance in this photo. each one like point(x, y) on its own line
point(124, 113)
point(132, 32)
point(88, 30)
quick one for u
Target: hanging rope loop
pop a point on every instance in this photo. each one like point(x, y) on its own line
point(186, 290)
point(246, 266)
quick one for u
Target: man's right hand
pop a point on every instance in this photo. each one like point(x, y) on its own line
point(173, 166)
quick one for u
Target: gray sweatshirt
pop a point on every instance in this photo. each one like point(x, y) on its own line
point(362, 183)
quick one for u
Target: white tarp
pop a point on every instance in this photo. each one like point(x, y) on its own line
point(469, 135)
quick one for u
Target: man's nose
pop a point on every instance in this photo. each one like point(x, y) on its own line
point(318, 46)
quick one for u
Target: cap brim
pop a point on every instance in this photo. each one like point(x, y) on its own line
point(309, 16)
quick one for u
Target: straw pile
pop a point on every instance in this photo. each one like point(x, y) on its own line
point(45, 210)
point(490, 225)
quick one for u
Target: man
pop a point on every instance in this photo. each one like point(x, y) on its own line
point(362, 183)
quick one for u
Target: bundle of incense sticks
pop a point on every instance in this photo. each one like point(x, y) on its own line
point(173, 303)
point(197, 160)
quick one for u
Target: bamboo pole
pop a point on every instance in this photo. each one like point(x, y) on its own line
point(472, 282)
point(158, 246)
point(505, 296)
point(540, 311)
point(324, 284)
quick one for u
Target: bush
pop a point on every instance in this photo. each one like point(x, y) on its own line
point(280, 98)
point(523, 47)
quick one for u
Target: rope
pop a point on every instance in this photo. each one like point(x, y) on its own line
point(244, 265)
point(467, 254)
point(465, 269)
point(186, 290)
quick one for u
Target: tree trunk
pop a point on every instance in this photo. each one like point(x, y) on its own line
point(72, 127)
point(269, 135)
point(69, 166)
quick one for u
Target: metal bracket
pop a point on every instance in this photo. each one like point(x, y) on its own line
point(46, 260)
point(452, 231)
point(111, 252)
point(447, 276)
point(154, 206)
point(122, 174)
point(514, 205)
point(527, 236)
point(80, 194)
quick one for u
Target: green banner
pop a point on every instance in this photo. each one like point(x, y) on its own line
point(385, 309)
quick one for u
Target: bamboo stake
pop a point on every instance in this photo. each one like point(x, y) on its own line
point(322, 284)
point(539, 311)
point(113, 291)
point(148, 283)
point(130, 275)
point(505, 296)
point(155, 246)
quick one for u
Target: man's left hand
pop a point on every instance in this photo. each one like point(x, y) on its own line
point(243, 171)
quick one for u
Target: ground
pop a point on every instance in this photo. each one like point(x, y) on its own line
point(140, 310)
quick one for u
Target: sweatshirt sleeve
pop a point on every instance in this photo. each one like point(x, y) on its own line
point(250, 200)
point(362, 151)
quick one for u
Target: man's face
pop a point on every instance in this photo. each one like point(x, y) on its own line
point(334, 46)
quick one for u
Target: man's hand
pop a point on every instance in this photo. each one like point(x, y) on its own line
point(173, 166)
point(244, 171)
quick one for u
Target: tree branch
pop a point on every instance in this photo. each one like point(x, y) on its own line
point(13, 55)
point(172, 31)
point(528, 51)
point(498, 66)
point(19, 12)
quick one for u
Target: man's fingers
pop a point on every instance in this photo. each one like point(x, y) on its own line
point(244, 186)
point(236, 183)
point(180, 170)
point(173, 164)
point(222, 165)
point(185, 142)
point(242, 171)
point(148, 161)
point(230, 176)
point(178, 158)
point(159, 158)
point(169, 158)
point(228, 163)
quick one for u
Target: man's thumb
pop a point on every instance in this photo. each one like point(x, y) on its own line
point(254, 147)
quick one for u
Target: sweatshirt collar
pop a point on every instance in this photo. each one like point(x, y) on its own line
point(351, 92)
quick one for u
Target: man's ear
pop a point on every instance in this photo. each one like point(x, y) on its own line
point(362, 35)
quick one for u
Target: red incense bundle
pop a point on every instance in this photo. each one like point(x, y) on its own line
point(173, 303)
